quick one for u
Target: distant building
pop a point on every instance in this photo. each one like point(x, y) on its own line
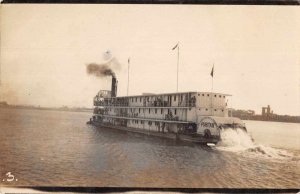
point(266, 111)
point(267, 114)
point(3, 104)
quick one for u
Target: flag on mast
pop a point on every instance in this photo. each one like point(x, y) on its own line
point(212, 71)
point(175, 46)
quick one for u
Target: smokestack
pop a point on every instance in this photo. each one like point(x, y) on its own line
point(114, 86)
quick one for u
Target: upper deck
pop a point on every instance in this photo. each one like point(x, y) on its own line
point(178, 99)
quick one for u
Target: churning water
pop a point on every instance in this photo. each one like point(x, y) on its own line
point(55, 148)
point(239, 141)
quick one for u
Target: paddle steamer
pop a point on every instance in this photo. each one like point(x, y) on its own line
point(189, 116)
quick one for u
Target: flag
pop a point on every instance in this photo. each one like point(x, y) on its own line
point(175, 46)
point(212, 72)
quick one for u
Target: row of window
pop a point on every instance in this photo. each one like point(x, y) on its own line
point(174, 97)
point(162, 110)
point(147, 98)
point(142, 122)
point(155, 110)
point(215, 109)
point(220, 96)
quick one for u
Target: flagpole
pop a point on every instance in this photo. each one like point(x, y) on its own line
point(0, 85)
point(177, 64)
point(212, 88)
point(128, 77)
point(212, 84)
point(177, 46)
point(212, 79)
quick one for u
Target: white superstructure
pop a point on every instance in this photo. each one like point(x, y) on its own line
point(192, 114)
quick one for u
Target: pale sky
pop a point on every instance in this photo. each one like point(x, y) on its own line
point(255, 51)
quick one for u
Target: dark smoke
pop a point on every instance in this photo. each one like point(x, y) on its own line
point(104, 69)
point(99, 70)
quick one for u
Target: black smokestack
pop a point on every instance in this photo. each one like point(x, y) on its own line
point(114, 86)
point(99, 70)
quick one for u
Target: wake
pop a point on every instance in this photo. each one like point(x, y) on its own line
point(239, 141)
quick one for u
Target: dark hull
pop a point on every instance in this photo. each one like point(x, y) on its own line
point(183, 137)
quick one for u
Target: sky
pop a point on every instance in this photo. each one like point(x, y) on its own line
point(255, 51)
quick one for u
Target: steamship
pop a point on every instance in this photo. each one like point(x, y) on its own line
point(189, 116)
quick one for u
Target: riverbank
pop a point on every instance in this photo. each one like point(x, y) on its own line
point(72, 109)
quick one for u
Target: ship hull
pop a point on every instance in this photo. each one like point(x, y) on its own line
point(198, 139)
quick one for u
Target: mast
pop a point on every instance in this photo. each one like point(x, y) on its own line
point(212, 88)
point(177, 65)
point(1, 85)
point(177, 46)
point(128, 77)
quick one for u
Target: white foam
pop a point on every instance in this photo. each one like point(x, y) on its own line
point(238, 140)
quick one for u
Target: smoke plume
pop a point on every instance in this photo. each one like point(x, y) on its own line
point(104, 69)
point(99, 70)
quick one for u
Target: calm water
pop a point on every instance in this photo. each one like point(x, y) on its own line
point(53, 148)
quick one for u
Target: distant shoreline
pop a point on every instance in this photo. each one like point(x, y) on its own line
point(283, 119)
point(278, 121)
point(246, 115)
point(48, 108)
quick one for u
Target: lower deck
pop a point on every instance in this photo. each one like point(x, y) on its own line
point(195, 138)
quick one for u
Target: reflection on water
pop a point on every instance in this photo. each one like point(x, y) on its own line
point(53, 148)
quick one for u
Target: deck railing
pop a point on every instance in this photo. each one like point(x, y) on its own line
point(167, 117)
point(189, 103)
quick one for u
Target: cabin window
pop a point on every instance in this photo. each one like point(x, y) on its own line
point(222, 110)
point(149, 110)
point(215, 95)
point(215, 109)
point(175, 111)
point(198, 94)
point(139, 110)
point(131, 99)
point(140, 99)
point(142, 122)
point(223, 96)
point(207, 94)
point(150, 122)
point(136, 99)
point(220, 96)
point(155, 111)
point(199, 109)
point(174, 98)
point(161, 111)
point(202, 94)
point(206, 109)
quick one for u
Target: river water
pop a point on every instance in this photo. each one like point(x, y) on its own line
point(56, 148)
